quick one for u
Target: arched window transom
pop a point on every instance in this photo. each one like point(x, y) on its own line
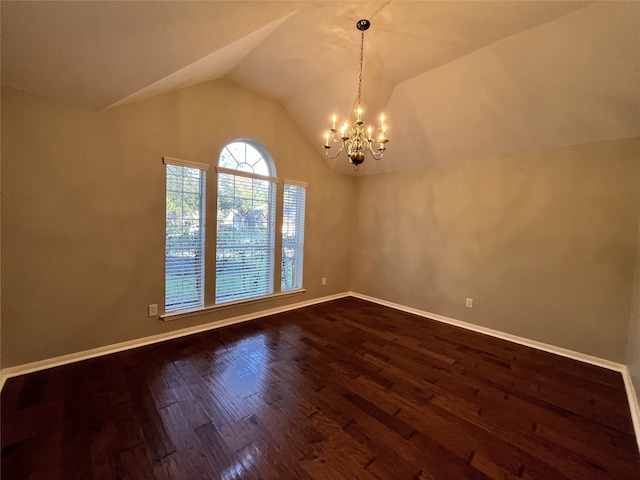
point(247, 156)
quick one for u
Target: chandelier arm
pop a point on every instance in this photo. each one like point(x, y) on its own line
point(326, 152)
point(337, 139)
point(376, 155)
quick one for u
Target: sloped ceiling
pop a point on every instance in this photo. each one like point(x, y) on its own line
point(456, 79)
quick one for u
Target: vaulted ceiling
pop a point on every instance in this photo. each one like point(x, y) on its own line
point(456, 80)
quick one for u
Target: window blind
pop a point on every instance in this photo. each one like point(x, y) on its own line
point(185, 231)
point(245, 243)
point(292, 235)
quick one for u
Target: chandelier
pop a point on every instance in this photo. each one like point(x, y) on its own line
point(358, 139)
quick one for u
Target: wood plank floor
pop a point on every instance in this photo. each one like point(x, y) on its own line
point(342, 390)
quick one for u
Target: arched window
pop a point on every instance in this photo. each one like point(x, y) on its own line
point(246, 261)
point(247, 156)
point(245, 243)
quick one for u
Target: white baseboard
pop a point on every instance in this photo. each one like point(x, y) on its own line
point(634, 406)
point(583, 357)
point(6, 373)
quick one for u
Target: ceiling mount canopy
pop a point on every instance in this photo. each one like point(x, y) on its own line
point(363, 25)
point(358, 139)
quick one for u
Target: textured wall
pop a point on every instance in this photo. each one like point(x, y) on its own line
point(83, 211)
point(545, 243)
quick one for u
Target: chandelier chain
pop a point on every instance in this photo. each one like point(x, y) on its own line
point(360, 74)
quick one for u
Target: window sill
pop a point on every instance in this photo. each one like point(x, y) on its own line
point(169, 317)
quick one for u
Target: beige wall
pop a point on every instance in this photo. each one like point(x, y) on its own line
point(83, 211)
point(544, 243)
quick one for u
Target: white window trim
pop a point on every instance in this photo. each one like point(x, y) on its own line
point(184, 163)
point(296, 183)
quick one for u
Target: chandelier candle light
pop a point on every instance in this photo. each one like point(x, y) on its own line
point(358, 139)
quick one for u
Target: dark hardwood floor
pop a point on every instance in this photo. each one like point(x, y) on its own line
point(342, 390)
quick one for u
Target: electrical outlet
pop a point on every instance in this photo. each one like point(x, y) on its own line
point(324, 280)
point(469, 303)
point(153, 310)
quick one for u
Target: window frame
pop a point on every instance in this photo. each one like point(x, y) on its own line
point(191, 273)
point(297, 242)
point(209, 272)
point(268, 273)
